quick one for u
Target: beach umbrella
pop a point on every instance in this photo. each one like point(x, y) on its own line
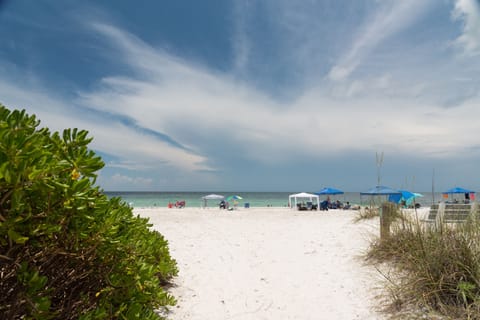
point(211, 197)
point(406, 194)
point(233, 197)
point(458, 190)
point(329, 191)
point(469, 194)
point(393, 195)
point(415, 195)
point(293, 198)
point(381, 191)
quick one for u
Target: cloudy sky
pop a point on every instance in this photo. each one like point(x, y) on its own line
point(245, 95)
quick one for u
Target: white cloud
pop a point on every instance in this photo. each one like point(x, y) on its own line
point(468, 11)
point(390, 18)
point(206, 110)
point(121, 141)
point(197, 107)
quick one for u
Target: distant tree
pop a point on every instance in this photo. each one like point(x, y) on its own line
point(66, 250)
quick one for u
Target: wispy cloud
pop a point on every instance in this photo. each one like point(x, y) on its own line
point(140, 149)
point(169, 121)
point(240, 41)
point(390, 18)
point(468, 11)
point(199, 107)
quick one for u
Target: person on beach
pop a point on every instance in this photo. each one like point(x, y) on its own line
point(338, 204)
point(222, 205)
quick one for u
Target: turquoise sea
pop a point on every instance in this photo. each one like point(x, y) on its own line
point(254, 199)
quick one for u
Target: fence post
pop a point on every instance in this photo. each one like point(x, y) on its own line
point(387, 214)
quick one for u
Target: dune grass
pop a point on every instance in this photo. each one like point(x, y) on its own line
point(366, 213)
point(431, 267)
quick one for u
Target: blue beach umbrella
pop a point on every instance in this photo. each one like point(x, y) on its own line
point(393, 195)
point(406, 196)
point(415, 195)
point(458, 190)
point(381, 191)
point(469, 194)
point(329, 191)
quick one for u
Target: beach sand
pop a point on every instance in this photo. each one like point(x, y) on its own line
point(269, 263)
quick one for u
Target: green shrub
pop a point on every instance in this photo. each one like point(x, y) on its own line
point(66, 250)
point(436, 267)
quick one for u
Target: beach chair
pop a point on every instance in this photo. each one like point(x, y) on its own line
point(324, 205)
point(180, 204)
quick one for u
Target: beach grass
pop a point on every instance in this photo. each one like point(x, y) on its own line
point(435, 268)
point(366, 213)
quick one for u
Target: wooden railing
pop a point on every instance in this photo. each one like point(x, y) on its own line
point(451, 212)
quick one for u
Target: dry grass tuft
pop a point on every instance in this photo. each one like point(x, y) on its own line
point(366, 213)
point(436, 269)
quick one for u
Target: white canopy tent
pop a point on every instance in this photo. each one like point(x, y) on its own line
point(211, 197)
point(293, 199)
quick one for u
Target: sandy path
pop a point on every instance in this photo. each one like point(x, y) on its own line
point(268, 263)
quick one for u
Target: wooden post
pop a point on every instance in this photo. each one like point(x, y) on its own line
point(387, 214)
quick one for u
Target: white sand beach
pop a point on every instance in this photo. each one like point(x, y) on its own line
point(269, 263)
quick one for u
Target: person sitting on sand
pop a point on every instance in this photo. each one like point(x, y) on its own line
point(338, 204)
point(222, 205)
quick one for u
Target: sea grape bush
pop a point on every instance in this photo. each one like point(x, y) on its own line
point(66, 250)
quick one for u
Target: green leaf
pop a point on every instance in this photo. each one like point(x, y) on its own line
point(16, 237)
point(69, 224)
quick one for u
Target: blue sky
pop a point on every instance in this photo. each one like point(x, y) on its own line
point(272, 95)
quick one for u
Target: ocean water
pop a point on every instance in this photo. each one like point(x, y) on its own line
point(254, 199)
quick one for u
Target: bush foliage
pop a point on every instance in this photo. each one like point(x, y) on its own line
point(66, 250)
